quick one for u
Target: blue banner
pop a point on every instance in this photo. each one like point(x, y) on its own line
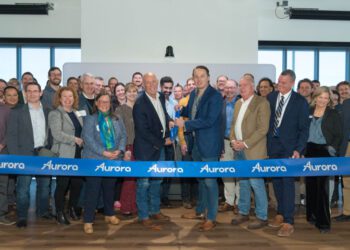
point(33, 165)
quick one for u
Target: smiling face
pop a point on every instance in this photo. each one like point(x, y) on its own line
point(131, 94)
point(201, 78)
point(120, 92)
point(67, 99)
point(285, 84)
point(11, 97)
point(322, 100)
point(103, 103)
point(55, 77)
point(265, 88)
point(151, 84)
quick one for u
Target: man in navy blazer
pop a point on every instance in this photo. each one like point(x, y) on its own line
point(27, 133)
point(151, 134)
point(287, 138)
point(204, 111)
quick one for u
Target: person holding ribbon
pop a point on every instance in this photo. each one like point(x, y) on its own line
point(66, 125)
point(105, 138)
point(325, 138)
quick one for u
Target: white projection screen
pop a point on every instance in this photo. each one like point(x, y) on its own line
point(179, 72)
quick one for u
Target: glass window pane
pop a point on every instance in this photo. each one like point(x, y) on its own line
point(274, 57)
point(302, 62)
point(332, 67)
point(66, 55)
point(37, 61)
point(8, 66)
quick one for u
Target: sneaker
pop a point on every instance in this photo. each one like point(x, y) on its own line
point(342, 218)
point(277, 222)
point(286, 230)
point(207, 226)
point(112, 220)
point(160, 217)
point(6, 221)
point(88, 229)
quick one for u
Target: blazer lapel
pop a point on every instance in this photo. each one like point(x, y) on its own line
point(250, 108)
point(27, 120)
point(203, 98)
point(149, 103)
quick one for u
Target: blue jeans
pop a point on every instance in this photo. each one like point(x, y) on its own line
point(23, 196)
point(148, 195)
point(283, 186)
point(245, 186)
point(208, 191)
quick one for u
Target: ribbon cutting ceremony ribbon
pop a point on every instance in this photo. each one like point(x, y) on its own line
point(34, 165)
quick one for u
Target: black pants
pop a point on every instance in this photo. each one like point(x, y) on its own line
point(317, 191)
point(62, 184)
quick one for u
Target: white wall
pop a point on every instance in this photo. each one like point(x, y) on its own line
point(206, 31)
point(272, 28)
point(62, 22)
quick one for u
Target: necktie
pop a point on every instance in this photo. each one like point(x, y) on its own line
point(278, 116)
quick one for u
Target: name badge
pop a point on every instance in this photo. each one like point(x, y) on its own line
point(81, 113)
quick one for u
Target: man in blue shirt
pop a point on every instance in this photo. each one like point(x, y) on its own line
point(231, 185)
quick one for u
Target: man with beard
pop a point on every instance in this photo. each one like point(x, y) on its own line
point(137, 80)
point(166, 88)
point(53, 84)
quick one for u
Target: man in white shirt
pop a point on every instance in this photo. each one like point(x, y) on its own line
point(248, 140)
point(26, 134)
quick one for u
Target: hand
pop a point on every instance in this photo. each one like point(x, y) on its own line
point(171, 124)
point(180, 122)
point(184, 149)
point(79, 141)
point(167, 141)
point(127, 155)
point(296, 155)
point(238, 145)
point(177, 107)
point(111, 154)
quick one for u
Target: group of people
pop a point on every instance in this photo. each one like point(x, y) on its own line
point(229, 121)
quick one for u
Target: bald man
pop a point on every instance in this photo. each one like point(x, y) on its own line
point(151, 135)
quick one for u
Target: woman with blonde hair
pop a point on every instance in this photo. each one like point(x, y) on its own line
point(325, 137)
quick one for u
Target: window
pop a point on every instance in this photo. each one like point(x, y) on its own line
point(66, 55)
point(302, 62)
point(274, 57)
point(332, 67)
point(37, 61)
point(8, 64)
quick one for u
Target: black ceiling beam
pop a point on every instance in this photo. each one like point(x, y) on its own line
point(24, 9)
point(315, 14)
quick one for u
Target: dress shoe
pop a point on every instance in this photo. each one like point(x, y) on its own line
point(160, 217)
point(74, 213)
point(21, 224)
point(257, 224)
point(342, 218)
point(239, 219)
point(88, 229)
point(207, 226)
point(226, 207)
point(286, 230)
point(193, 216)
point(47, 216)
point(150, 225)
point(112, 220)
point(62, 218)
point(277, 221)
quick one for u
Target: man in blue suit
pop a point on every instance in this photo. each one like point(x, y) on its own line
point(287, 138)
point(204, 111)
point(151, 134)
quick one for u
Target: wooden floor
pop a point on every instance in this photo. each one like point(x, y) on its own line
point(177, 234)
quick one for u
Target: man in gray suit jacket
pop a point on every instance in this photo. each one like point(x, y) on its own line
point(26, 134)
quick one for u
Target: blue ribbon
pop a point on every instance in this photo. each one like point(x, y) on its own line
point(34, 165)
